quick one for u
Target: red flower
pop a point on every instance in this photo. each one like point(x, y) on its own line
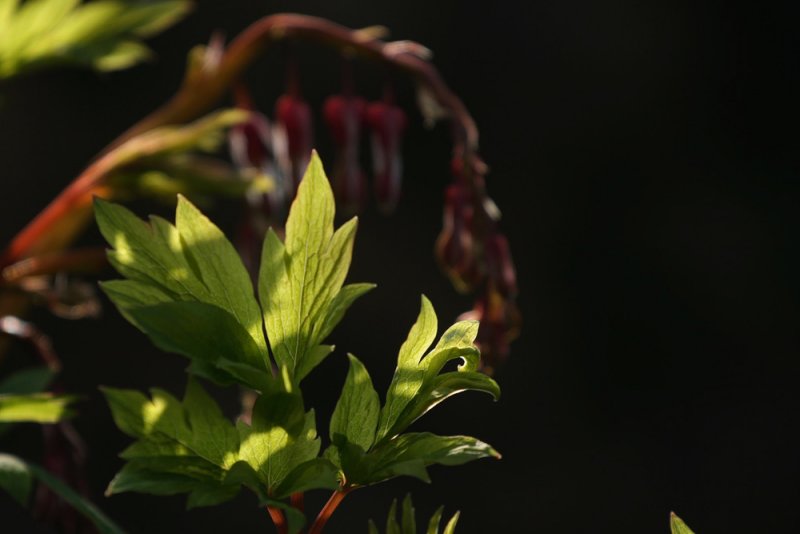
point(387, 122)
point(293, 116)
point(345, 115)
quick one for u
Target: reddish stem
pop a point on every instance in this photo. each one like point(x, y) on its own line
point(297, 500)
point(278, 518)
point(327, 511)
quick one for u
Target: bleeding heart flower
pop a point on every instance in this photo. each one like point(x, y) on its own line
point(387, 123)
point(455, 246)
point(293, 116)
point(257, 148)
point(345, 115)
point(499, 265)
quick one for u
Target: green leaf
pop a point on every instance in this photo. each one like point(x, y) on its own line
point(35, 408)
point(450, 528)
point(355, 417)
point(189, 261)
point(409, 520)
point(15, 477)
point(417, 385)
point(300, 281)
point(27, 381)
point(188, 290)
point(410, 454)
point(207, 334)
point(677, 525)
point(121, 55)
point(408, 523)
point(392, 526)
point(86, 508)
point(220, 268)
point(436, 519)
point(408, 376)
point(281, 438)
point(317, 473)
point(103, 34)
point(181, 447)
point(341, 303)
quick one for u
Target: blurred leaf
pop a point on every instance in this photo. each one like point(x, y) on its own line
point(27, 381)
point(34, 408)
point(85, 507)
point(678, 526)
point(103, 35)
point(15, 477)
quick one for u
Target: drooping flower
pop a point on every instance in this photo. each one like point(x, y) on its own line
point(387, 123)
point(293, 117)
point(455, 246)
point(344, 115)
point(258, 148)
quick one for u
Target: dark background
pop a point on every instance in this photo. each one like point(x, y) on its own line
point(644, 156)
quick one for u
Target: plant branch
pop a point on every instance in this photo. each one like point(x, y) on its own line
point(207, 81)
point(297, 500)
point(327, 511)
point(278, 518)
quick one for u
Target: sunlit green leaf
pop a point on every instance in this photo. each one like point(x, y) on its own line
point(280, 442)
point(35, 408)
point(356, 414)
point(417, 385)
point(103, 34)
point(409, 455)
point(678, 526)
point(300, 281)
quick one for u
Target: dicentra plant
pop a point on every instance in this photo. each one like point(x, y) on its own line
point(186, 288)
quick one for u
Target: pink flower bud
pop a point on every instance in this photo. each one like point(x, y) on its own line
point(293, 115)
point(345, 118)
point(387, 122)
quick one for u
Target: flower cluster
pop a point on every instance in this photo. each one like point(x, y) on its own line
point(280, 149)
point(476, 257)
